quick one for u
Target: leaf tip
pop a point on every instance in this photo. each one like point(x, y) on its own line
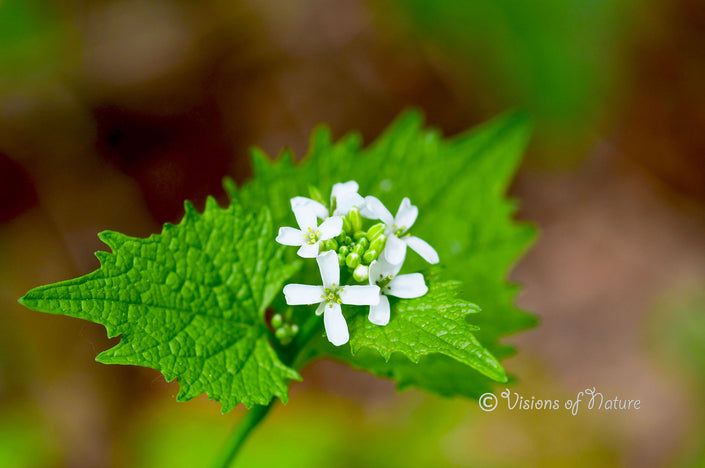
point(189, 209)
point(102, 256)
point(520, 121)
point(111, 238)
point(211, 203)
point(30, 299)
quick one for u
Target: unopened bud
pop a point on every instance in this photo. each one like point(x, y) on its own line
point(357, 235)
point(352, 260)
point(370, 256)
point(347, 227)
point(355, 219)
point(379, 243)
point(293, 330)
point(345, 250)
point(364, 243)
point(280, 333)
point(330, 244)
point(341, 259)
point(375, 231)
point(359, 249)
point(315, 194)
point(277, 321)
point(361, 273)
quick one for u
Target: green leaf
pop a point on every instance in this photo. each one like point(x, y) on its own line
point(435, 373)
point(459, 185)
point(189, 302)
point(432, 324)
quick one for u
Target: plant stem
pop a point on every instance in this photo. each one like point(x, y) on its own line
point(255, 416)
point(310, 327)
point(251, 419)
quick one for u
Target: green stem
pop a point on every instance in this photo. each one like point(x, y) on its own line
point(255, 416)
point(251, 419)
point(310, 327)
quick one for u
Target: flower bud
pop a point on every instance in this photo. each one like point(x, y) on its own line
point(315, 194)
point(347, 227)
point(359, 249)
point(355, 219)
point(330, 244)
point(357, 235)
point(375, 231)
point(280, 333)
point(341, 259)
point(361, 273)
point(277, 321)
point(293, 330)
point(370, 256)
point(379, 243)
point(352, 260)
point(364, 243)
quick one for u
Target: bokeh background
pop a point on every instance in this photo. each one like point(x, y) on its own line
point(114, 112)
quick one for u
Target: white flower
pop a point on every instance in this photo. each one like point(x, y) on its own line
point(330, 296)
point(403, 286)
point(310, 234)
point(396, 226)
point(343, 196)
point(318, 208)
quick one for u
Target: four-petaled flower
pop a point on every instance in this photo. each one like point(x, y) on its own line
point(397, 226)
point(357, 246)
point(390, 283)
point(330, 296)
point(310, 234)
point(343, 197)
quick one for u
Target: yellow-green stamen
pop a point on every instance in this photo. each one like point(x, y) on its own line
point(332, 295)
point(311, 237)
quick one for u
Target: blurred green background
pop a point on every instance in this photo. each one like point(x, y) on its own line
point(114, 112)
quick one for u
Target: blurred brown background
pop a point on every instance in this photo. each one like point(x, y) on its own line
point(114, 112)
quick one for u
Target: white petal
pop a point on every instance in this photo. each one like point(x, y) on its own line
point(344, 188)
point(380, 268)
point(366, 212)
point(305, 217)
point(422, 248)
point(290, 236)
point(331, 227)
point(298, 294)
point(321, 308)
point(379, 314)
point(395, 250)
point(407, 286)
point(406, 215)
point(380, 211)
point(309, 250)
point(359, 295)
point(346, 201)
point(330, 269)
point(336, 327)
point(318, 208)
point(377, 271)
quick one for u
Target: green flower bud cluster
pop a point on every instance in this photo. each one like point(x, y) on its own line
point(356, 247)
point(284, 331)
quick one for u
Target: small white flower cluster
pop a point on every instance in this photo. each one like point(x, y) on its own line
point(373, 256)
